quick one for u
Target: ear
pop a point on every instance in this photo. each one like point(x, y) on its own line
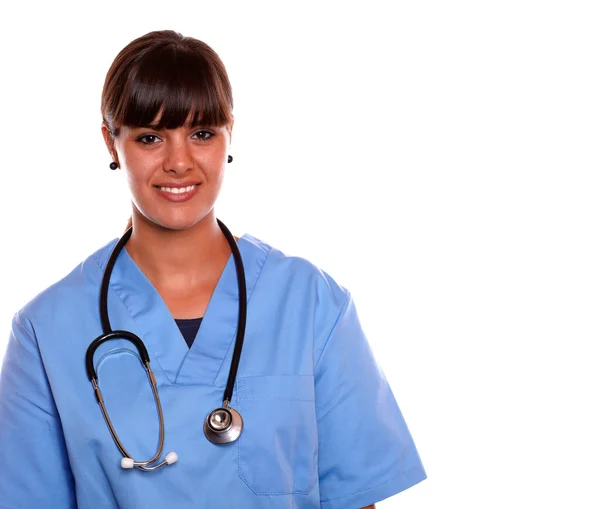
point(110, 142)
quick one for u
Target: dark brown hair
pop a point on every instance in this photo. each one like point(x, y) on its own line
point(166, 72)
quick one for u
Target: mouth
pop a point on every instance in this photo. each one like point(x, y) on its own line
point(177, 193)
point(177, 189)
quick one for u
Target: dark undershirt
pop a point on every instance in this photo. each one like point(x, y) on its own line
point(189, 328)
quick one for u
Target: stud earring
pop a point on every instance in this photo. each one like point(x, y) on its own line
point(113, 166)
point(229, 158)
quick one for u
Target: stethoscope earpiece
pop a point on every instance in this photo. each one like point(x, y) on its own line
point(128, 462)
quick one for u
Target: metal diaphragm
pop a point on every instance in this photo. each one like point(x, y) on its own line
point(223, 425)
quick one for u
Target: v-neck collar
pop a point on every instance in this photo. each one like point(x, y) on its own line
point(204, 362)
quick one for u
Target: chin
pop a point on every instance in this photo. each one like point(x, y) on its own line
point(169, 223)
point(177, 225)
point(179, 219)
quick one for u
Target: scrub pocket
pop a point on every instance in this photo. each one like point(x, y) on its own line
point(277, 450)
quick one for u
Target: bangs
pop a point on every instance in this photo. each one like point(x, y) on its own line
point(168, 87)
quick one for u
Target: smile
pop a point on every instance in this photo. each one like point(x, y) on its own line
point(178, 194)
point(178, 190)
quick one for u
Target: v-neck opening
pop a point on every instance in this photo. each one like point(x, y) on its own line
point(201, 363)
point(188, 327)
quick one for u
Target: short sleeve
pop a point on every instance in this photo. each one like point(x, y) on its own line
point(34, 467)
point(366, 452)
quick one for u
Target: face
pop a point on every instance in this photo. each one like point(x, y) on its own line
point(174, 175)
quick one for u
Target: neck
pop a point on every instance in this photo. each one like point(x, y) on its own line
point(174, 259)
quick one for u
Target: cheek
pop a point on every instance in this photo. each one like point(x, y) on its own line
point(138, 171)
point(139, 190)
point(214, 180)
point(135, 181)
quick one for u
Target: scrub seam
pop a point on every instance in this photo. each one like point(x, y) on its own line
point(115, 351)
point(248, 299)
point(281, 398)
point(19, 322)
point(131, 314)
point(276, 374)
point(337, 319)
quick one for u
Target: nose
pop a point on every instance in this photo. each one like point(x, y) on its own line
point(178, 157)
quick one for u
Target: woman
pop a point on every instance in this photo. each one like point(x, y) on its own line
point(305, 417)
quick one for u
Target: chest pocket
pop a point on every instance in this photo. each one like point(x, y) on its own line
point(278, 446)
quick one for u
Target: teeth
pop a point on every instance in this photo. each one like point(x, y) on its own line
point(178, 190)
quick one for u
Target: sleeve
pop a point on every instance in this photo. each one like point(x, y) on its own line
point(366, 452)
point(34, 466)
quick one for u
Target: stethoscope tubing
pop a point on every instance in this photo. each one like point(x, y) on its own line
point(217, 436)
point(241, 328)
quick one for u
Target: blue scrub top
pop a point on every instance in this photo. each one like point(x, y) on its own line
point(321, 426)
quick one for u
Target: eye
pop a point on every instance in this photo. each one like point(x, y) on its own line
point(203, 135)
point(147, 139)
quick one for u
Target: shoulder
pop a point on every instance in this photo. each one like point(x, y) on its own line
point(286, 274)
point(296, 269)
point(83, 280)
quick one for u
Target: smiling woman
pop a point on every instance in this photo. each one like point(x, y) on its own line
point(270, 391)
point(168, 102)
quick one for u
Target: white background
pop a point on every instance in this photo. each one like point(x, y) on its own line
point(439, 159)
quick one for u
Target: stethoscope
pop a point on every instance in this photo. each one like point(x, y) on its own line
point(224, 424)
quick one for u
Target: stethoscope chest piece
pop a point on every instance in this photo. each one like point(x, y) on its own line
point(223, 425)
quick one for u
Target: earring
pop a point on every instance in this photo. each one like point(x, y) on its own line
point(113, 166)
point(229, 158)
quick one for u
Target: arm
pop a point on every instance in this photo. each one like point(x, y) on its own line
point(356, 465)
point(33, 458)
